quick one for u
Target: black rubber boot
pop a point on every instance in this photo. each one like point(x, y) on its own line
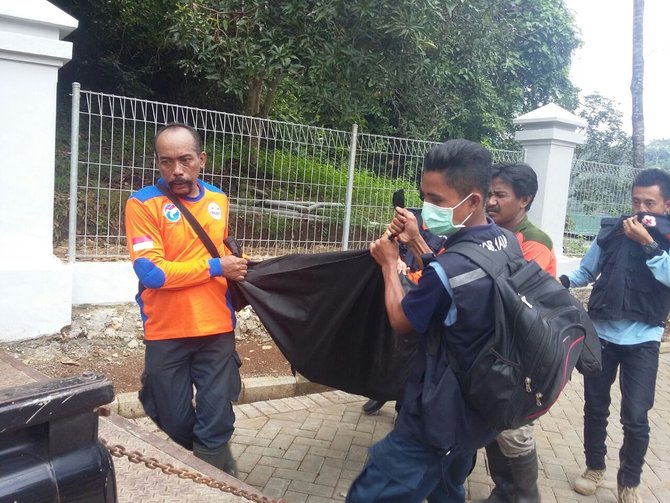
point(524, 474)
point(501, 474)
point(222, 458)
point(371, 407)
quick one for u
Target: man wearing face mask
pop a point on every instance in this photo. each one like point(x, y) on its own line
point(429, 453)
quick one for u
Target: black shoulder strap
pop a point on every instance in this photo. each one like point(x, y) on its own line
point(206, 240)
point(492, 263)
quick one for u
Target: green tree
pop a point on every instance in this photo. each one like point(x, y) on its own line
point(433, 68)
point(118, 46)
point(427, 68)
point(606, 141)
point(335, 53)
point(247, 48)
point(522, 56)
point(657, 154)
point(121, 47)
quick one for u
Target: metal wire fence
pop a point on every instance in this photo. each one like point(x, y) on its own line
point(596, 190)
point(292, 188)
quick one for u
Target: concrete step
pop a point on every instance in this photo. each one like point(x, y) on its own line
point(254, 389)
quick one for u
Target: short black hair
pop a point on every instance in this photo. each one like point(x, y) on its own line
point(175, 125)
point(466, 165)
point(518, 175)
point(651, 177)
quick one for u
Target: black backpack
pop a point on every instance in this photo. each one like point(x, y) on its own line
point(540, 330)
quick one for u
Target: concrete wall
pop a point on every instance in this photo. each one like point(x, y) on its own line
point(103, 283)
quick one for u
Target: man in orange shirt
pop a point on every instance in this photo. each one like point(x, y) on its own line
point(512, 456)
point(184, 301)
point(513, 189)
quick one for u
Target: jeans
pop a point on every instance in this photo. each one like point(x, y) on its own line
point(400, 470)
point(638, 365)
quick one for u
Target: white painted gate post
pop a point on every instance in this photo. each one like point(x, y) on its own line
point(36, 287)
point(549, 137)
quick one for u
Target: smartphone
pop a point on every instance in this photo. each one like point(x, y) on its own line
point(398, 202)
point(399, 198)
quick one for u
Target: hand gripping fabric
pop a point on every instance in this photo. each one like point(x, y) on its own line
point(540, 329)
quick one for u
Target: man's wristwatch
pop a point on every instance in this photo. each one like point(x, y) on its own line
point(652, 249)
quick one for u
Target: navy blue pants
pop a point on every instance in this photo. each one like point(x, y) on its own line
point(171, 369)
point(638, 366)
point(400, 470)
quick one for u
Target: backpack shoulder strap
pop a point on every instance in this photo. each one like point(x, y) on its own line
point(492, 263)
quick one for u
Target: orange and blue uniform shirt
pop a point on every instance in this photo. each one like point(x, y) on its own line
point(182, 291)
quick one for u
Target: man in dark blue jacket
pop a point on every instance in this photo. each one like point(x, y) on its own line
point(429, 452)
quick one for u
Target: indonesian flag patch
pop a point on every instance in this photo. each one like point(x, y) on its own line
point(142, 243)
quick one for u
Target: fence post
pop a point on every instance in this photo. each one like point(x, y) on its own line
point(350, 188)
point(74, 175)
point(549, 137)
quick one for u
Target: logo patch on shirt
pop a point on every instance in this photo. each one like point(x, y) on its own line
point(649, 221)
point(214, 210)
point(171, 212)
point(497, 244)
point(142, 243)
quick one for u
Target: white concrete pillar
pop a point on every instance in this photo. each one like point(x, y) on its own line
point(549, 137)
point(36, 288)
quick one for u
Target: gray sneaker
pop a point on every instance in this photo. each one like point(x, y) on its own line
point(588, 482)
point(628, 495)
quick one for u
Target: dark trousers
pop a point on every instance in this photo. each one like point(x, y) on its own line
point(400, 470)
point(638, 366)
point(171, 369)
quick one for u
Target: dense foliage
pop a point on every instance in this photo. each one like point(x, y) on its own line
point(428, 68)
point(425, 68)
point(606, 140)
point(657, 154)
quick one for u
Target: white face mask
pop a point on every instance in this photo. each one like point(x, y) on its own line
point(440, 221)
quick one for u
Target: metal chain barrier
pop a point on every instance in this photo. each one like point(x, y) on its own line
point(137, 457)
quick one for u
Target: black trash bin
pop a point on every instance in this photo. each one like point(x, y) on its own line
point(49, 447)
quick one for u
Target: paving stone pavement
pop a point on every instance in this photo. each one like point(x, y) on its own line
point(310, 448)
